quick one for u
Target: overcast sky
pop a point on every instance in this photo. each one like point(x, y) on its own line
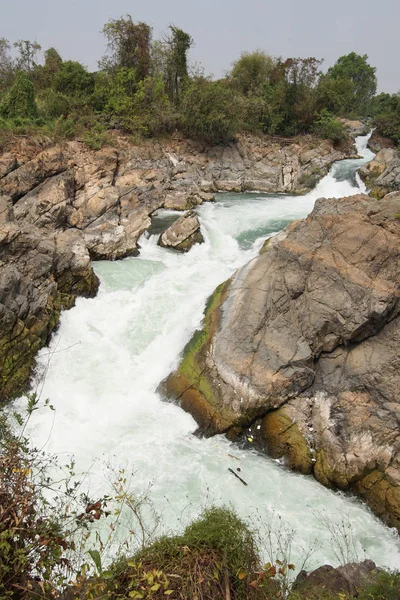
point(222, 29)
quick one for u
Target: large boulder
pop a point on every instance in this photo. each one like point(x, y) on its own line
point(183, 233)
point(305, 338)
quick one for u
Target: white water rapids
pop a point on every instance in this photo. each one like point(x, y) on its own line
point(111, 352)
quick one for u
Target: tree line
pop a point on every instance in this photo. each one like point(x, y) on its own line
point(146, 87)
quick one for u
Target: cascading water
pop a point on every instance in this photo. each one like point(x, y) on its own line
point(111, 352)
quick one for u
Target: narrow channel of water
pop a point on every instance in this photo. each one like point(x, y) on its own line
point(112, 351)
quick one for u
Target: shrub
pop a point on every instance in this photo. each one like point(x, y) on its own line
point(96, 137)
point(327, 126)
point(386, 586)
point(209, 111)
point(20, 102)
point(73, 79)
point(52, 104)
point(215, 558)
point(32, 541)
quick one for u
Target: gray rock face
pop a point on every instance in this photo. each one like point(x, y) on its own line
point(311, 327)
point(390, 178)
point(182, 234)
point(355, 127)
point(382, 174)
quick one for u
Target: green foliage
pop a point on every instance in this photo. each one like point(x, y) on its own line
point(385, 109)
point(252, 71)
point(336, 94)
point(386, 586)
point(214, 557)
point(128, 46)
point(327, 126)
point(43, 75)
point(73, 79)
point(209, 111)
point(96, 137)
point(176, 48)
point(147, 88)
point(139, 106)
point(20, 102)
point(300, 77)
point(52, 104)
point(65, 128)
point(355, 67)
point(33, 539)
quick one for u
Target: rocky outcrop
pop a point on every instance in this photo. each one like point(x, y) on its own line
point(345, 581)
point(40, 274)
point(182, 234)
point(382, 174)
point(61, 206)
point(378, 142)
point(355, 127)
point(301, 345)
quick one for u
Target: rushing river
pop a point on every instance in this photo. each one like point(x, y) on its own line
point(111, 352)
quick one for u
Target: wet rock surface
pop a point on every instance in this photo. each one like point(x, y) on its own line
point(182, 234)
point(63, 205)
point(302, 345)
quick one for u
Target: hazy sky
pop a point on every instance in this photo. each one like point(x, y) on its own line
point(222, 29)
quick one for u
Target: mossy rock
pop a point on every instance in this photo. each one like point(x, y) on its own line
point(382, 494)
point(83, 282)
point(19, 347)
point(283, 438)
point(327, 472)
point(379, 192)
point(265, 245)
point(193, 384)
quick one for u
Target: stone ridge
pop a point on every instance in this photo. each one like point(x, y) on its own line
point(312, 363)
point(62, 205)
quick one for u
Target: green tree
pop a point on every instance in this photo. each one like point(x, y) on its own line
point(139, 107)
point(129, 46)
point(355, 67)
point(385, 109)
point(252, 71)
point(43, 75)
point(73, 79)
point(20, 102)
point(336, 94)
point(327, 126)
point(209, 111)
point(177, 44)
point(297, 79)
point(52, 104)
point(27, 53)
